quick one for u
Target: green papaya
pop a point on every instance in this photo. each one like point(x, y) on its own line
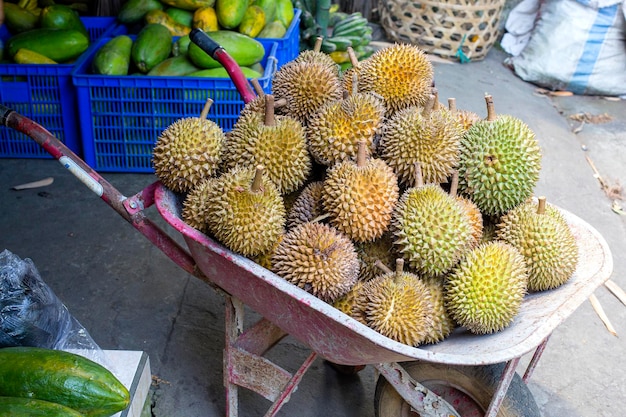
point(152, 45)
point(273, 30)
point(19, 19)
point(113, 58)
point(222, 73)
point(174, 66)
point(243, 49)
point(59, 16)
point(60, 45)
point(230, 12)
point(133, 11)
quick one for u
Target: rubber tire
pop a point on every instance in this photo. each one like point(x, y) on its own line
point(478, 382)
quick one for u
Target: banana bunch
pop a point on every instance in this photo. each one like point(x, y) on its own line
point(342, 30)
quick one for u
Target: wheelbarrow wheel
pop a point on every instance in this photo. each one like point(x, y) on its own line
point(469, 389)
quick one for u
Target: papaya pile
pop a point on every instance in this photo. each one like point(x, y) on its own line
point(49, 35)
point(253, 18)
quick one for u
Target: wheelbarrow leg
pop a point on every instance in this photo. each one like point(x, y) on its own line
point(244, 365)
point(533, 362)
point(503, 387)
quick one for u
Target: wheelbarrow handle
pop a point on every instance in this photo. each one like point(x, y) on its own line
point(130, 208)
point(215, 51)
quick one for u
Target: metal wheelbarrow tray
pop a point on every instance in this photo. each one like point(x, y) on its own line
point(336, 337)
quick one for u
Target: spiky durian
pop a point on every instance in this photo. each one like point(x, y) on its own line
point(381, 250)
point(400, 73)
point(397, 305)
point(278, 143)
point(307, 206)
point(545, 240)
point(442, 322)
point(432, 231)
point(485, 291)
point(421, 135)
point(305, 86)
point(335, 129)
point(465, 118)
point(347, 303)
point(315, 55)
point(473, 213)
point(318, 259)
point(360, 197)
point(196, 204)
point(188, 151)
point(499, 164)
point(245, 211)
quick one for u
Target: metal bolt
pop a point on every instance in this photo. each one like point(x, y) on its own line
point(133, 204)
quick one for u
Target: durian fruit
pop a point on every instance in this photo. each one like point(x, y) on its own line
point(401, 74)
point(484, 293)
point(378, 250)
point(347, 304)
point(544, 239)
point(307, 206)
point(422, 135)
point(335, 129)
point(466, 118)
point(196, 204)
point(443, 324)
point(316, 55)
point(431, 229)
point(257, 105)
point(319, 259)
point(188, 151)
point(472, 211)
point(398, 305)
point(360, 197)
point(278, 143)
point(305, 86)
point(245, 211)
point(500, 162)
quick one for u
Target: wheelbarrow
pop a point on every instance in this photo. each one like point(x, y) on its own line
point(465, 375)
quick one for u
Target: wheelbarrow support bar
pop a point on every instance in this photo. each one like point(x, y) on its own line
point(131, 209)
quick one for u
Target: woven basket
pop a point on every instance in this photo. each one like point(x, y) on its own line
point(452, 29)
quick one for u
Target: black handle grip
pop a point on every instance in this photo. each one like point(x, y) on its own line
point(200, 38)
point(4, 114)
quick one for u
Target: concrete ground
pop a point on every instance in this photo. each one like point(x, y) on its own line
point(130, 296)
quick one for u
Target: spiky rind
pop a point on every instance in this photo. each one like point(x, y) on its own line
point(475, 219)
point(433, 141)
point(307, 206)
point(336, 128)
point(466, 118)
point(186, 152)
point(311, 56)
point(360, 199)
point(442, 322)
point(398, 307)
point(546, 242)
point(400, 73)
point(280, 148)
point(380, 249)
point(431, 229)
point(318, 259)
point(196, 205)
point(499, 164)
point(347, 303)
point(485, 291)
point(305, 87)
point(246, 221)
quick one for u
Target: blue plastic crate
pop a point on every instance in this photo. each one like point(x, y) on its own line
point(45, 94)
point(121, 117)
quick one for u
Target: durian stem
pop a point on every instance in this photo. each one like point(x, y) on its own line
point(257, 87)
point(269, 110)
point(206, 108)
point(280, 103)
point(399, 269)
point(354, 60)
point(378, 264)
point(419, 178)
point(452, 105)
point(428, 108)
point(435, 93)
point(257, 182)
point(541, 207)
point(318, 44)
point(454, 183)
point(361, 154)
point(491, 110)
point(320, 218)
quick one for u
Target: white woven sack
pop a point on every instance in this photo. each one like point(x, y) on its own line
point(578, 46)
